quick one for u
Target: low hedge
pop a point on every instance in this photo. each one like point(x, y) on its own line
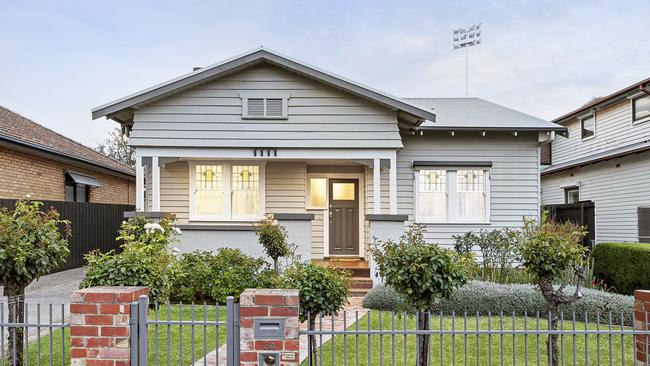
point(623, 266)
point(484, 297)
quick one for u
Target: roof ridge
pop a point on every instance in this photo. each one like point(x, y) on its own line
point(62, 136)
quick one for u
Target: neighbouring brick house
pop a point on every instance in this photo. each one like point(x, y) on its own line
point(39, 162)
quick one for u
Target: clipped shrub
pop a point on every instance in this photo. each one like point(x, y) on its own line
point(383, 298)
point(212, 277)
point(484, 297)
point(624, 267)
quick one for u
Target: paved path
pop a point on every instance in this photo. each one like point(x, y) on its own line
point(350, 315)
point(53, 289)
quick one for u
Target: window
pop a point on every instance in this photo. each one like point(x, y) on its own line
point(588, 127)
point(640, 108)
point(452, 195)
point(226, 191)
point(264, 107)
point(546, 154)
point(572, 195)
point(318, 193)
point(77, 187)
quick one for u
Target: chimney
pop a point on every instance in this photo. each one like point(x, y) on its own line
point(194, 68)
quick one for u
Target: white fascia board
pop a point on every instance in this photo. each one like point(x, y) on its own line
point(247, 153)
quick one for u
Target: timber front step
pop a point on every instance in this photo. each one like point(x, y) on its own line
point(360, 270)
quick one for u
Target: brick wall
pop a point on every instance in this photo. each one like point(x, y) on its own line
point(22, 174)
point(642, 322)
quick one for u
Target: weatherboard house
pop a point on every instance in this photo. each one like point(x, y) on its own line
point(336, 162)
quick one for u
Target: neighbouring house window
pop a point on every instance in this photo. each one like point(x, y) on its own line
point(546, 154)
point(318, 193)
point(572, 195)
point(640, 108)
point(588, 127)
point(452, 195)
point(227, 191)
point(264, 107)
point(77, 187)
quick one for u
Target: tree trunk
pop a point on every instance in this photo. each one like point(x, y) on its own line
point(276, 266)
point(16, 304)
point(546, 286)
point(423, 339)
point(312, 341)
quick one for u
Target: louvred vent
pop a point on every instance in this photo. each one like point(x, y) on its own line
point(274, 108)
point(256, 107)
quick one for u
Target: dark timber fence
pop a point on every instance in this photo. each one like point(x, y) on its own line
point(94, 226)
point(581, 213)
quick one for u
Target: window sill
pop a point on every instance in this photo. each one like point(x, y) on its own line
point(218, 226)
point(455, 223)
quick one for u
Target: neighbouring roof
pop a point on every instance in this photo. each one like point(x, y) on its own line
point(598, 157)
point(602, 102)
point(17, 129)
point(121, 109)
point(479, 114)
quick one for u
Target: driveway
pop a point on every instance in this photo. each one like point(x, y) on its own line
point(52, 289)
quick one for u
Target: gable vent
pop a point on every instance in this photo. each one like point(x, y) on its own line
point(274, 107)
point(256, 107)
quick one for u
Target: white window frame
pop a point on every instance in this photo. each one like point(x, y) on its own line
point(227, 190)
point(634, 98)
point(584, 117)
point(452, 197)
point(265, 95)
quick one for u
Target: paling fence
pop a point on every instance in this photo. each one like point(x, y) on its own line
point(390, 338)
point(193, 334)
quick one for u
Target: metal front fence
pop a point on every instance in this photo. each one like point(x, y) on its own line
point(40, 336)
point(389, 338)
point(184, 334)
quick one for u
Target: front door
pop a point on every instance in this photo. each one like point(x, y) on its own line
point(344, 216)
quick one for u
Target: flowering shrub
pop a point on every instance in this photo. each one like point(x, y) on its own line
point(140, 229)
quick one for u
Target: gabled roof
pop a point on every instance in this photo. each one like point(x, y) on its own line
point(133, 101)
point(16, 129)
point(478, 114)
point(599, 103)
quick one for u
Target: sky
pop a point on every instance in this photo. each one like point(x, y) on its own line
point(59, 59)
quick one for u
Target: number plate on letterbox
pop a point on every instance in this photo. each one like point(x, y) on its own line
point(269, 328)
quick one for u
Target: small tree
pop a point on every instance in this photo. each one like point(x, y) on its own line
point(273, 237)
point(323, 290)
point(116, 146)
point(32, 244)
point(423, 273)
point(549, 251)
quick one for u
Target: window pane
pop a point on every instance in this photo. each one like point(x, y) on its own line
point(470, 186)
point(641, 108)
point(432, 200)
point(343, 191)
point(81, 193)
point(209, 196)
point(69, 193)
point(572, 195)
point(318, 192)
point(588, 127)
point(245, 190)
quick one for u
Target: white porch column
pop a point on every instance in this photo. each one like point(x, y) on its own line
point(155, 184)
point(376, 183)
point(393, 185)
point(139, 184)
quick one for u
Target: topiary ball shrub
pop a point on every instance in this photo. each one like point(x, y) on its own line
point(520, 299)
point(383, 298)
point(624, 267)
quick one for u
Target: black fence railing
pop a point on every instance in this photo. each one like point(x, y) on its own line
point(581, 213)
point(94, 226)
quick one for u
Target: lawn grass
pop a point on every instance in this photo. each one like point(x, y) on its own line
point(164, 341)
point(376, 349)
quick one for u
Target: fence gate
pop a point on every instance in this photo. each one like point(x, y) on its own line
point(184, 334)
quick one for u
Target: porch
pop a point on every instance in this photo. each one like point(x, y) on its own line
point(327, 198)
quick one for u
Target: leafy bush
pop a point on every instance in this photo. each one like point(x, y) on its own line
point(484, 297)
point(273, 238)
point(146, 258)
point(383, 298)
point(500, 250)
point(624, 267)
point(210, 277)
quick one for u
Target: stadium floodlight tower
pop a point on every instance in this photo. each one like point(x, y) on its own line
point(466, 38)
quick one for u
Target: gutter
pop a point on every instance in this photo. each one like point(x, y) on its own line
point(44, 150)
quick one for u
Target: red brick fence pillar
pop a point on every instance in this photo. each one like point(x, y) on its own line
point(269, 327)
point(99, 325)
point(641, 322)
